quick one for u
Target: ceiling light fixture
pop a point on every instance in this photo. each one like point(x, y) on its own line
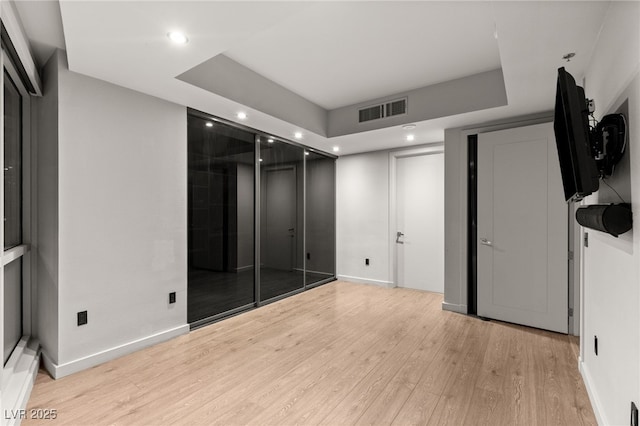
point(306, 153)
point(297, 135)
point(410, 138)
point(408, 127)
point(261, 160)
point(241, 115)
point(336, 148)
point(177, 37)
point(209, 124)
point(270, 140)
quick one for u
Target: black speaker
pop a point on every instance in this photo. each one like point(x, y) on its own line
point(614, 219)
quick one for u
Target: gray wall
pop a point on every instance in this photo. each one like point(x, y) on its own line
point(472, 93)
point(224, 76)
point(119, 242)
point(45, 132)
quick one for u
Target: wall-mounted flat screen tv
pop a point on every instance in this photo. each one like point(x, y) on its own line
point(571, 125)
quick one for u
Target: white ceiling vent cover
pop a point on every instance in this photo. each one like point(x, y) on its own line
point(387, 109)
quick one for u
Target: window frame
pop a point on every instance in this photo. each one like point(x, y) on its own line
point(23, 250)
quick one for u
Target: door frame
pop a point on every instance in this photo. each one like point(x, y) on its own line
point(435, 148)
point(469, 281)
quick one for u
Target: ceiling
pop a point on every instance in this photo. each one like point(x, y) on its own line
point(332, 54)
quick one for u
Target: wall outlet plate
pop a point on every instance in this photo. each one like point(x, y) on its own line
point(82, 318)
point(172, 297)
point(366, 261)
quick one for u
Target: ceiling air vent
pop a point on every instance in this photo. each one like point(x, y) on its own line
point(396, 107)
point(371, 113)
point(387, 109)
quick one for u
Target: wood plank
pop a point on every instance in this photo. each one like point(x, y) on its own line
point(342, 353)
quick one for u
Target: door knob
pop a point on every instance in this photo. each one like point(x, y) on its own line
point(398, 235)
point(486, 242)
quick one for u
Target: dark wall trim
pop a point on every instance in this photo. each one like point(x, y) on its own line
point(472, 225)
point(7, 44)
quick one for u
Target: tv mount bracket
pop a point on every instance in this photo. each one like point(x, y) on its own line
point(608, 142)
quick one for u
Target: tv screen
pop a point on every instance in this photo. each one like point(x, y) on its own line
point(571, 127)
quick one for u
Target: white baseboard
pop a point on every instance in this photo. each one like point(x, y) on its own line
point(18, 378)
point(461, 309)
point(60, 370)
point(379, 283)
point(593, 395)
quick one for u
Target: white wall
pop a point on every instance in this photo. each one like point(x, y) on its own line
point(362, 218)
point(611, 267)
point(122, 225)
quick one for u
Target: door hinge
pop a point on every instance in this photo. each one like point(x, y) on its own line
point(570, 312)
point(570, 255)
point(586, 239)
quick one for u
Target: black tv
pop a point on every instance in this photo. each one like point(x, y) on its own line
point(571, 126)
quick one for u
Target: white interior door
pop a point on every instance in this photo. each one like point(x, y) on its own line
point(280, 218)
point(522, 229)
point(420, 220)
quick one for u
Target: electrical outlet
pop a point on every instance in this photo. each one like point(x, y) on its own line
point(172, 297)
point(366, 261)
point(595, 344)
point(82, 318)
point(634, 414)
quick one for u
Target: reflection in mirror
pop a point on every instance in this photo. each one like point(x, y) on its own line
point(281, 219)
point(320, 218)
point(221, 167)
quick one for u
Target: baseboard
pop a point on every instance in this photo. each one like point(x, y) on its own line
point(60, 370)
point(244, 268)
point(461, 309)
point(593, 395)
point(309, 271)
point(379, 283)
point(18, 379)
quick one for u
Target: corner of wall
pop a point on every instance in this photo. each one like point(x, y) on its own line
point(45, 246)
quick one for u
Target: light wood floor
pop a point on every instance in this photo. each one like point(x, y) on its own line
point(339, 354)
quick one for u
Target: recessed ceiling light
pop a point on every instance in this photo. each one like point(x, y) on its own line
point(306, 153)
point(410, 138)
point(409, 127)
point(336, 148)
point(209, 124)
point(261, 160)
point(241, 115)
point(177, 37)
point(270, 140)
point(297, 135)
